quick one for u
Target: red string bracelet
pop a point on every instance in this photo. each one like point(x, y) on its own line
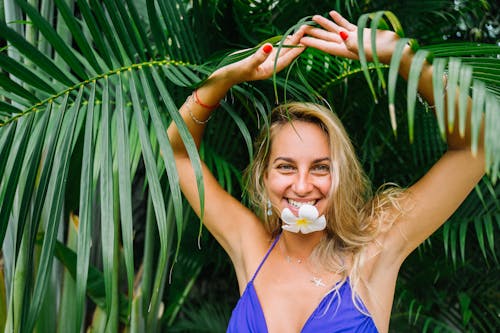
point(200, 103)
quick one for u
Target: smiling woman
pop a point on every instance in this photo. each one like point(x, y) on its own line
point(88, 178)
point(311, 169)
point(315, 132)
point(313, 201)
point(298, 170)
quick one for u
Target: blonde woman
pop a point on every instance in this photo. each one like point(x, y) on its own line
point(320, 253)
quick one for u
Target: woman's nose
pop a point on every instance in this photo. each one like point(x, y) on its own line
point(302, 184)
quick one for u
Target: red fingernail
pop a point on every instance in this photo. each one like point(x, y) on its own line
point(267, 48)
point(343, 35)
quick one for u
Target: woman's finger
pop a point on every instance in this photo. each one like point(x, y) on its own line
point(295, 38)
point(333, 48)
point(287, 42)
point(259, 56)
point(322, 34)
point(341, 21)
point(290, 44)
point(325, 23)
point(290, 53)
point(285, 59)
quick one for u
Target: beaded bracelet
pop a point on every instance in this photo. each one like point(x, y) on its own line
point(196, 120)
point(445, 88)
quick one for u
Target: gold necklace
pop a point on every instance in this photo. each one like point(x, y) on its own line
point(317, 281)
point(289, 260)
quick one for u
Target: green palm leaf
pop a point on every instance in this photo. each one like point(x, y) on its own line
point(53, 38)
point(108, 230)
point(124, 184)
point(55, 209)
point(85, 208)
point(35, 56)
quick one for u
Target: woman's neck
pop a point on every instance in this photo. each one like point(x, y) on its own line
point(300, 246)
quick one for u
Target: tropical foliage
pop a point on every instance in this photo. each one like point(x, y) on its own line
point(94, 231)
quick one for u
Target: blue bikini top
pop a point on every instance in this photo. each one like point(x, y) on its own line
point(335, 313)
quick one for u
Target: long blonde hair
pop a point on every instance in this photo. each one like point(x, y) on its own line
point(355, 216)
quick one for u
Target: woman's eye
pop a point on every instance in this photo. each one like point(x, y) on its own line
point(322, 168)
point(285, 167)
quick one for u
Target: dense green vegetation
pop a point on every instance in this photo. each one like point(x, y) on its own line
point(91, 215)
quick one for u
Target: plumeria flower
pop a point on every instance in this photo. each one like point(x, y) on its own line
point(307, 221)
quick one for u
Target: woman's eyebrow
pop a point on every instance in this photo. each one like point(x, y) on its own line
point(280, 158)
point(290, 160)
point(323, 159)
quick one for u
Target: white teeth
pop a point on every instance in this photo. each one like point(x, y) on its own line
point(298, 204)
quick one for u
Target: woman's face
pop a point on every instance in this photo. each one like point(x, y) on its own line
point(299, 167)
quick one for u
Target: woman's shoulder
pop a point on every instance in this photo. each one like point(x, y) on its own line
point(254, 246)
point(383, 252)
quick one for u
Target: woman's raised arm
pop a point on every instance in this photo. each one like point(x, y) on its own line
point(439, 193)
point(225, 217)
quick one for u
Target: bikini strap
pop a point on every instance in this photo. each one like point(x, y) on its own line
point(265, 257)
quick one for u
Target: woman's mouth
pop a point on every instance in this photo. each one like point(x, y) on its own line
point(298, 204)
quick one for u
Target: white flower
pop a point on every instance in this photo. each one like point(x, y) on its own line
point(307, 221)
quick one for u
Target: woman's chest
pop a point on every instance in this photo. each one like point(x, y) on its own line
point(290, 296)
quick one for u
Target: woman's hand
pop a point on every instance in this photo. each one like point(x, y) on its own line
point(340, 38)
point(260, 65)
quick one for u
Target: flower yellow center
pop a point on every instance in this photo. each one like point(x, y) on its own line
point(302, 221)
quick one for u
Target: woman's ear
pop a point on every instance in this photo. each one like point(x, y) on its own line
point(265, 179)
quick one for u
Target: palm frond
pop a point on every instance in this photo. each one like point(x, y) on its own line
point(71, 102)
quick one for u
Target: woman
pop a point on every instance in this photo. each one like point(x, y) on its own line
point(323, 256)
